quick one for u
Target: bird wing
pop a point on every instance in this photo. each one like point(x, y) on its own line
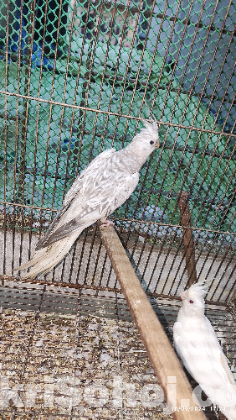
point(94, 196)
point(76, 186)
point(219, 357)
point(184, 345)
point(201, 353)
point(191, 347)
point(52, 225)
point(91, 168)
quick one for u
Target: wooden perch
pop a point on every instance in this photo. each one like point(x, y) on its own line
point(187, 237)
point(163, 358)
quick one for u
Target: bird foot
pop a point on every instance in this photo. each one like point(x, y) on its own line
point(106, 223)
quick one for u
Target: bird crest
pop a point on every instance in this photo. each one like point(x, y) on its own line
point(197, 290)
point(150, 130)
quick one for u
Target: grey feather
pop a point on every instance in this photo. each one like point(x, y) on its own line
point(98, 191)
point(42, 241)
point(62, 232)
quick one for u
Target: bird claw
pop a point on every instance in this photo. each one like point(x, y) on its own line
point(106, 223)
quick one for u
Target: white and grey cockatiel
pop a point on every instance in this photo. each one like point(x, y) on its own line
point(199, 349)
point(98, 191)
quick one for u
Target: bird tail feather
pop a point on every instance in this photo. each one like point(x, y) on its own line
point(46, 258)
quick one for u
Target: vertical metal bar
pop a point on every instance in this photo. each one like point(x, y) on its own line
point(233, 301)
point(26, 105)
point(27, 59)
point(81, 255)
point(90, 252)
point(17, 134)
point(16, 140)
point(5, 146)
point(233, 285)
point(187, 237)
point(50, 112)
point(37, 125)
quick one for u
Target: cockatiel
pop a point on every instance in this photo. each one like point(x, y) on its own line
point(98, 191)
point(199, 349)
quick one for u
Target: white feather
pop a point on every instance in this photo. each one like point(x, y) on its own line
point(198, 347)
point(97, 192)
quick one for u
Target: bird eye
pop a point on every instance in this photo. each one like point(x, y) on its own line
point(191, 301)
point(151, 142)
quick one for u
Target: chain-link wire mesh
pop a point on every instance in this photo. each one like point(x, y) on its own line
point(78, 78)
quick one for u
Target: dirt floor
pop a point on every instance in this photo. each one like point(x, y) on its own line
point(66, 354)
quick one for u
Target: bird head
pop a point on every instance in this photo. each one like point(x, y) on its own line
point(144, 143)
point(193, 299)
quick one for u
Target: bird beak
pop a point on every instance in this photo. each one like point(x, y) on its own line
point(183, 294)
point(157, 145)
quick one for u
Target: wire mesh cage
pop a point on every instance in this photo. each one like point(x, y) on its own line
point(78, 78)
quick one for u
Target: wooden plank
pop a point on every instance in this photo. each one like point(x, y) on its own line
point(187, 237)
point(162, 356)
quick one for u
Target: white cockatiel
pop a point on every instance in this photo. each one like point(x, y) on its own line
point(199, 349)
point(98, 191)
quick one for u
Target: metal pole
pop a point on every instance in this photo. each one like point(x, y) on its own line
point(177, 390)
